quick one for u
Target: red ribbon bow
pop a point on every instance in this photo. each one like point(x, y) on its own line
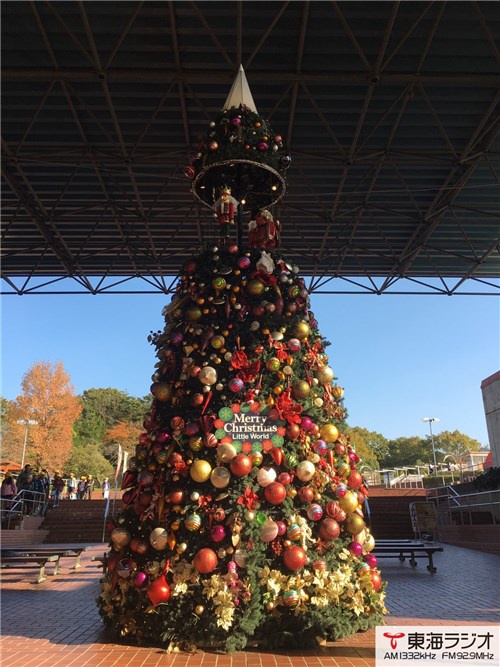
point(287, 409)
point(249, 499)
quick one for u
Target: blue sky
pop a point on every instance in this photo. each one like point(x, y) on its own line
point(399, 358)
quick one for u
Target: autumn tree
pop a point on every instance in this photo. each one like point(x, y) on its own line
point(104, 408)
point(124, 434)
point(48, 398)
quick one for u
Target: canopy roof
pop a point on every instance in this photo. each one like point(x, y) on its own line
point(389, 111)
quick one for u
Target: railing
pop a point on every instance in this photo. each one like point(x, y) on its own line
point(24, 503)
point(456, 508)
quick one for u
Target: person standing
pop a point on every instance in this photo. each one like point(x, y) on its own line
point(57, 488)
point(90, 487)
point(105, 488)
point(81, 488)
point(72, 483)
point(25, 484)
point(8, 491)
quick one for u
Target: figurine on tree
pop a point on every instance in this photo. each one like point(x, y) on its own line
point(264, 231)
point(225, 208)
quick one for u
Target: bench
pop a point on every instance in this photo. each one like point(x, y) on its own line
point(103, 560)
point(403, 550)
point(30, 561)
point(62, 550)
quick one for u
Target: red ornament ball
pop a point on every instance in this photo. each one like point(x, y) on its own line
point(205, 561)
point(275, 493)
point(355, 480)
point(376, 579)
point(241, 465)
point(329, 530)
point(306, 494)
point(158, 590)
point(294, 558)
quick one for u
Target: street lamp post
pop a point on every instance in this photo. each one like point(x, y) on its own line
point(26, 423)
point(430, 420)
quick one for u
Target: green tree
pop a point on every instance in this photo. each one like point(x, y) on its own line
point(88, 460)
point(407, 451)
point(453, 443)
point(103, 409)
point(368, 445)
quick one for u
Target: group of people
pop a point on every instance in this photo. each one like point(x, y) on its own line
point(39, 488)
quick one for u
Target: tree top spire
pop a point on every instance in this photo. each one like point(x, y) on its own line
point(240, 93)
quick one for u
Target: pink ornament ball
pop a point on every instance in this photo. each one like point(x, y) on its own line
point(320, 447)
point(341, 490)
point(162, 436)
point(356, 548)
point(244, 262)
point(284, 478)
point(281, 528)
point(306, 424)
point(218, 533)
point(192, 429)
point(314, 512)
point(176, 338)
point(262, 146)
point(371, 560)
point(140, 579)
point(236, 120)
point(294, 345)
point(235, 385)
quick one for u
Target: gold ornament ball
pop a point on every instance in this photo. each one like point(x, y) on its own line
point(300, 389)
point(163, 392)
point(199, 609)
point(192, 314)
point(207, 376)
point(325, 375)
point(329, 432)
point(354, 524)
point(225, 452)
point(337, 392)
point(120, 537)
point(302, 330)
point(255, 288)
point(369, 543)
point(349, 502)
point(318, 402)
point(158, 539)
point(200, 471)
point(220, 477)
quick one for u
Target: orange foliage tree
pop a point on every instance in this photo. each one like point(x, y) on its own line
point(124, 434)
point(47, 397)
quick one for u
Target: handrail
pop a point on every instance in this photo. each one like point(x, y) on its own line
point(106, 513)
point(24, 502)
point(463, 504)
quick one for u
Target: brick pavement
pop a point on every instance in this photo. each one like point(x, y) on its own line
point(56, 624)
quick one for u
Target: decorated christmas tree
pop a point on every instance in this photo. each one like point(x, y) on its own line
point(242, 508)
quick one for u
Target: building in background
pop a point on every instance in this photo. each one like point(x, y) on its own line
point(490, 387)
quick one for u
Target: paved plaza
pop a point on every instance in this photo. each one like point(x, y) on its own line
point(56, 623)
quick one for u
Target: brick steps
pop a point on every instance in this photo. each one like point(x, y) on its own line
point(76, 521)
point(484, 538)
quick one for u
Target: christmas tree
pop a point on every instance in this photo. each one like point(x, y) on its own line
point(242, 507)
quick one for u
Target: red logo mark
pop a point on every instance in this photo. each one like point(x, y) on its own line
point(393, 638)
